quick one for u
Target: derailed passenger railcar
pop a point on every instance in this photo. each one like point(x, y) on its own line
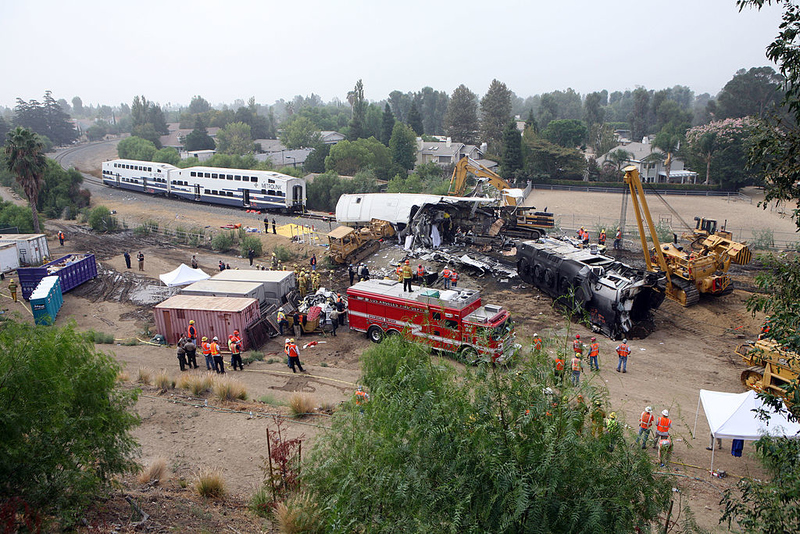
point(619, 299)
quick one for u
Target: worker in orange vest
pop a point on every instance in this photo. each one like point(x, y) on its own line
point(602, 238)
point(645, 424)
point(577, 346)
point(594, 352)
point(294, 356)
point(420, 274)
point(623, 350)
point(559, 366)
point(407, 276)
point(446, 277)
point(618, 240)
point(577, 367)
point(399, 272)
point(663, 426)
point(537, 342)
point(219, 364)
point(235, 346)
point(453, 278)
point(191, 332)
point(205, 346)
point(362, 397)
point(586, 238)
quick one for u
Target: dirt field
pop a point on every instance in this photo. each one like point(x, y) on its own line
point(690, 349)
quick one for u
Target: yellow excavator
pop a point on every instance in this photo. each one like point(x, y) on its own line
point(704, 269)
point(351, 245)
point(518, 221)
point(772, 367)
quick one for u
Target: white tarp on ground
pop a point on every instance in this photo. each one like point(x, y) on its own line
point(731, 415)
point(395, 208)
point(183, 275)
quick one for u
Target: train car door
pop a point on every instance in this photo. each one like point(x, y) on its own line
point(118, 180)
point(246, 198)
point(144, 183)
point(197, 191)
point(297, 195)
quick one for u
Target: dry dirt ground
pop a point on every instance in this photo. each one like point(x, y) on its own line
point(690, 349)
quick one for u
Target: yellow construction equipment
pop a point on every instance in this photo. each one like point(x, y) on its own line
point(689, 273)
point(350, 245)
point(518, 221)
point(772, 369)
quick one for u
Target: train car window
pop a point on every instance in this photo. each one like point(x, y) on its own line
point(192, 173)
point(230, 193)
point(213, 175)
point(208, 175)
point(254, 179)
point(264, 192)
point(270, 181)
point(149, 169)
point(237, 178)
point(230, 177)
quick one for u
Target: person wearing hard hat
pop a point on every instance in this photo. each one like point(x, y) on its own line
point(191, 332)
point(623, 350)
point(645, 424)
point(602, 238)
point(294, 356)
point(663, 426)
point(577, 345)
point(12, 288)
point(594, 352)
point(219, 363)
point(537, 343)
point(205, 346)
point(407, 276)
point(282, 321)
point(362, 397)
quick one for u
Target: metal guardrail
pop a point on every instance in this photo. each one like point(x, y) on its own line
point(620, 190)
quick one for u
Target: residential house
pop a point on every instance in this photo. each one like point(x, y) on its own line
point(176, 135)
point(653, 170)
point(445, 152)
point(330, 137)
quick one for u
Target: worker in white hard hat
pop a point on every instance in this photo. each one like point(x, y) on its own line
point(645, 424)
point(623, 351)
point(219, 363)
point(294, 356)
point(663, 424)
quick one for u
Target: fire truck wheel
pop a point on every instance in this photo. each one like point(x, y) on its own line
point(375, 334)
point(469, 355)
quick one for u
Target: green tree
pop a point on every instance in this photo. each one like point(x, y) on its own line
point(478, 450)
point(147, 120)
point(359, 106)
point(638, 116)
point(46, 119)
point(461, 119)
point(95, 132)
point(668, 141)
point(754, 92)
point(569, 133)
point(512, 152)
point(495, 112)
point(545, 158)
point(25, 159)
point(61, 195)
point(199, 105)
point(324, 192)
point(167, 155)
point(593, 110)
point(619, 157)
point(136, 148)
point(315, 161)
point(60, 405)
point(198, 139)
point(235, 138)
point(77, 106)
point(348, 157)
point(403, 145)
point(101, 220)
point(415, 120)
point(12, 215)
point(602, 138)
point(300, 132)
point(387, 124)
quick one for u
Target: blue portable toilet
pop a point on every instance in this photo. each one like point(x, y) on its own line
point(46, 300)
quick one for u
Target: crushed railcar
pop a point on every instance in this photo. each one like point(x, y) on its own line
point(618, 299)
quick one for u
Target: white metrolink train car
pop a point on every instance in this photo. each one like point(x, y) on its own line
point(261, 190)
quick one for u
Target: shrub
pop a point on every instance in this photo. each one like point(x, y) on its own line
point(141, 231)
point(210, 484)
point(163, 381)
point(250, 241)
point(762, 239)
point(196, 384)
point(101, 220)
point(271, 400)
point(301, 405)
point(99, 337)
point(145, 376)
point(65, 428)
point(156, 471)
point(228, 389)
point(123, 376)
point(298, 514)
point(254, 356)
point(130, 342)
point(282, 253)
point(223, 241)
point(260, 501)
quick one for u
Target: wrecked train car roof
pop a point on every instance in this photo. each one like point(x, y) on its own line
point(395, 208)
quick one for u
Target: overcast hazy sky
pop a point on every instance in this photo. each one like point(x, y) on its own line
point(107, 51)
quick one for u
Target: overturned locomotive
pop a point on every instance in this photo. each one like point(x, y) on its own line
point(619, 299)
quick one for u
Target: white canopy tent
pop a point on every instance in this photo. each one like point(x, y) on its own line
point(732, 415)
point(183, 275)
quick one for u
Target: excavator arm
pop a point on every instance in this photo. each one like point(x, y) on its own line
point(467, 165)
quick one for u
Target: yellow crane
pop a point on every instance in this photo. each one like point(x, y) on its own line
point(703, 270)
point(518, 221)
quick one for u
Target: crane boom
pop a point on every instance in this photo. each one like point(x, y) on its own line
point(467, 165)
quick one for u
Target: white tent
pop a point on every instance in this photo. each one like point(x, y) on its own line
point(183, 275)
point(732, 415)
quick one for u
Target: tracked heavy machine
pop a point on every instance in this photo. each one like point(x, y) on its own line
point(351, 245)
point(517, 221)
point(772, 367)
point(702, 269)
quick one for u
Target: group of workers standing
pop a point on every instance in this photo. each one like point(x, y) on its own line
point(583, 237)
point(187, 351)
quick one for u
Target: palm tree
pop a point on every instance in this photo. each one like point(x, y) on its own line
point(25, 159)
point(619, 156)
point(668, 143)
point(706, 147)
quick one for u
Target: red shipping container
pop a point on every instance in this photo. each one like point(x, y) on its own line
point(213, 316)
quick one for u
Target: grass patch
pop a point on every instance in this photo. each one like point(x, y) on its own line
point(253, 356)
point(196, 384)
point(163, 381)
point(99, 337)
point(228, 389)
point(299, 513)
point(210, 484)
point(156, 471)
point(123, 376)
point(324, 364)
point(130, 342)
point(272, 360)
point(271, 400)
point(145, 376)
point(260, 502)
point(301, 405)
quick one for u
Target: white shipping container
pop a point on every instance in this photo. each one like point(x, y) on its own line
point(226, 288)
point(276, 283)
point(32, 248)
point(9, 257)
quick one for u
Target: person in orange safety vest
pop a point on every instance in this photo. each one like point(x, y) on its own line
point(453, 278)
point(205, 347)
point(191, 332)
point(663, 426)
point(577, 366)
point(537, 342)
point(577, 346)
point(594, 352)
point(446, 277)
point(219, 363)
point(645, 424)
point(623, 350)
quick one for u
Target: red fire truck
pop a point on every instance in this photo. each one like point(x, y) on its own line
point(448, 320)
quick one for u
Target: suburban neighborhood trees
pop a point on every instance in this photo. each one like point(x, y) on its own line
point(415, 119)
point(235, 138)
point(299, 132)
point(46, 119)
point(148, 120)
point(25, 159)
point(512, 152)
point(754, 92)
point(461, 119)
point(568, 133)
point(387, 124)
point(198, 139)
point(495, 112)
point(348, 157)
point(136, 148)
point(359, 106)
point(403, 145)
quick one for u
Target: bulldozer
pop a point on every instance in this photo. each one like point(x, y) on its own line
point(350, 245)
point(772, 367)
point(703, 268)
point(517, 221)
